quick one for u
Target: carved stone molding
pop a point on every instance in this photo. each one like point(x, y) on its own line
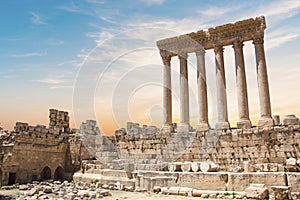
point(246, 30)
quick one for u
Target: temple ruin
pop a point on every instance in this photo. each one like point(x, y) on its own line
point(216, 38)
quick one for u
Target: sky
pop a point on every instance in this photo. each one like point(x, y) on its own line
point(97, 59)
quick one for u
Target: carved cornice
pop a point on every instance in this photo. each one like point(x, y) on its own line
point(227, 34)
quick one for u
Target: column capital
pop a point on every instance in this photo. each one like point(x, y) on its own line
point(200, 52)
point(218, 48)
point(258, 39)
point(182, 55)
point(166, 56)
point(238, 43)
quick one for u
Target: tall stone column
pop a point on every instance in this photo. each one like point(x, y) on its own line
point(222, 122)
point(167, 91)
point(184, 95)
point(202, 91)
point(242, 95)
point(262, 81)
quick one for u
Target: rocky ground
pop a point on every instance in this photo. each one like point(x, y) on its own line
point(80, 190)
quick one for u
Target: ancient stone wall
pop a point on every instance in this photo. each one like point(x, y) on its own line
point(264, 149)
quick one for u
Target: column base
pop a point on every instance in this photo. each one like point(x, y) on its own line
point(265, 122)
point(183, 128)
point(244, 124)
point(203, 126)
point(222, 125)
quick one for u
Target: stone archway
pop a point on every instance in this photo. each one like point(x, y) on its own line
point(46, 173)
point(59, 173)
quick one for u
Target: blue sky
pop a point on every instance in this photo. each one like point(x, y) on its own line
point(47, 46)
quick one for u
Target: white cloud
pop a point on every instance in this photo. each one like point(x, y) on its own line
point(50, 81)
point(96, 1)
point(214, 11)
point(279, 37)
point(70, 8)
point(61, 87)
point(151, 2)
point(282, 7)
point(75, 63)
point(36, 19)
point(32, 54)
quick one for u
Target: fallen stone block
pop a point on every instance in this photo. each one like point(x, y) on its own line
point(290, 120)
point(186, 166)
point(185, 191)
point(208, 167)
point(280, 193)
point(170, 190)
point(196, 193)
point(156, 189)
point(295, 195)
point(257, 191)
point(195, 166)
point(175, 166)
point(291, 165)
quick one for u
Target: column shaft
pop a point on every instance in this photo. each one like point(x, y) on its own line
point(262, 81)
point(242, 95)
point(222, 122)
point(167, 90)
point(184, 94)
point(202, 91)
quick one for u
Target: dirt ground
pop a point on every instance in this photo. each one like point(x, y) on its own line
point(116, 195)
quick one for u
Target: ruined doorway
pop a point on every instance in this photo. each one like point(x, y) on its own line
point(46, 173)
point(11, 178)
point(59, 174)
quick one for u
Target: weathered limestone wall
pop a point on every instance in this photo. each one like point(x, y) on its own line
point(31, 154)
point(263, 149)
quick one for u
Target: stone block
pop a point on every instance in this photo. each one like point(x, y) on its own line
point(186, 166)
point(175, 166)
point(185, 191)
point(290, 120)
point(240, 181)
point(276, 119)
point(293, 180)
point(280, 193)
point(195, 166)
point(208, 167)
point(257, 191)
point(170, 190)
point(291, 165)
point(197, 193)
point(203, 181)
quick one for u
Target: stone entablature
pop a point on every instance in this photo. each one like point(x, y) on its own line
point(224, 35)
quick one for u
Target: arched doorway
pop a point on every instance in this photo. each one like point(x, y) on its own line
point(46, 173)
point(59, 174)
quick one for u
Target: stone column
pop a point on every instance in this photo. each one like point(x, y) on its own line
point(202, 91)
point(222, 122)
point(242, 96)
point(167, 91)
point(184, 95)
point(262, 81)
